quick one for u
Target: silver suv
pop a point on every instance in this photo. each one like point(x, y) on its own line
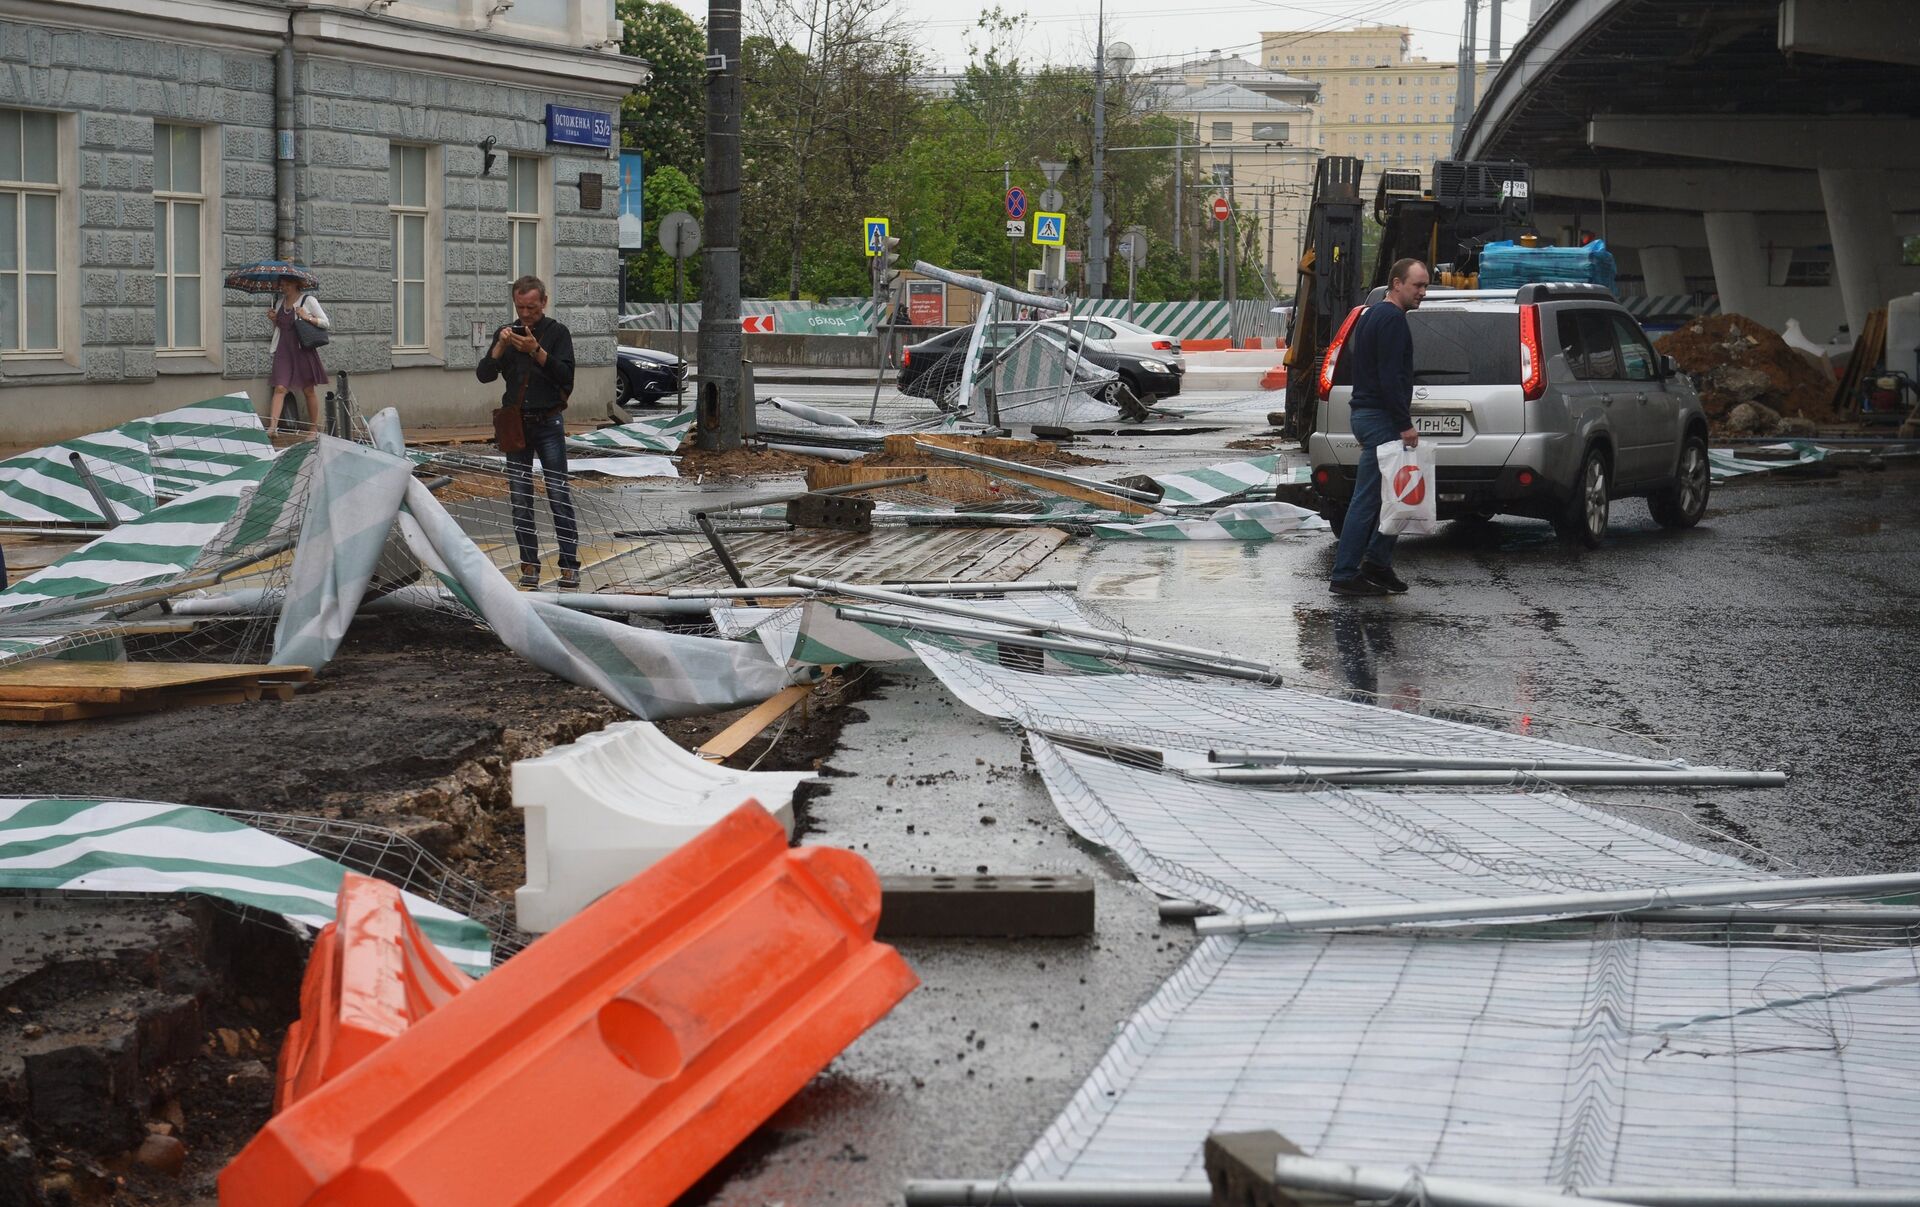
point(1545, 401)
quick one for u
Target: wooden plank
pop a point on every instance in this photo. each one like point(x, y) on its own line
point(80, 710)
point(902, 444)
point(118, 682)
point(723, 745)
point(974, 479)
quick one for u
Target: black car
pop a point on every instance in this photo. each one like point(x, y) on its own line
point(931, 368)
point(646, 375)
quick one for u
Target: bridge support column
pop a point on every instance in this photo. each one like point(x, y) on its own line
point(1860, 223)
point(1660, 269)
point(1739, 261)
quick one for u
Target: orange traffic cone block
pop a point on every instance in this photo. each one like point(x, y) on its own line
point(371, 976)
point(616, 1059)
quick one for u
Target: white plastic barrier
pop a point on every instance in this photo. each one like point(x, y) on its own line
point(601, 810)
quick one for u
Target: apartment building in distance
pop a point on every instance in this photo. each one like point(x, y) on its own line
point(1259, 128)
point(1378, 102)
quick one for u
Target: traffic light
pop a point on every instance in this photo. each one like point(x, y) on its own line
point(886, 265)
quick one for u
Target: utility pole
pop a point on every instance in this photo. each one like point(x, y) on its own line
point(1179, 179)
point(1493, 36)
point(1233, 254)
point(717, 417)
point(1463, 82)
point(1097, 219)
point(1013, 245)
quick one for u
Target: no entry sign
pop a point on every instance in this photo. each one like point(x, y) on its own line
point(1220, 209)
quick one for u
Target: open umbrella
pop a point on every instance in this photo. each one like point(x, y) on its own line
point(264, 276)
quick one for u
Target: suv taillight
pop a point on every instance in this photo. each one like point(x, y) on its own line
point(1533, 366)
point(1333, 353)
point(906, 357)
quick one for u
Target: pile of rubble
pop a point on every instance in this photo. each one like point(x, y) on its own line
point(1751, 381)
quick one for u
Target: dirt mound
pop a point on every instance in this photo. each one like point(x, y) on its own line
point(743, 462)
point(1733, 360)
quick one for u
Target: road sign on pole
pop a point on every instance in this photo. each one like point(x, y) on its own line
point(875, 234)
point(1221, 209)
point(1049, 230)
point(1052, 199)
point(1016, 229)
point(1016, 202)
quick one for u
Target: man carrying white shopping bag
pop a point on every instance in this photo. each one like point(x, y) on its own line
point(1380, 351)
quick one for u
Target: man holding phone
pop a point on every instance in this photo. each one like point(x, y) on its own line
point(534, 355)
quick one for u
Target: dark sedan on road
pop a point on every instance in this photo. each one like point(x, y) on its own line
point(932, 367)
point(646, 375)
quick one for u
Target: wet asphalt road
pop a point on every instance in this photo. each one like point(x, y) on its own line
point(1780, 633)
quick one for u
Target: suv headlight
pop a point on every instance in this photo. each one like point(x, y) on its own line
point(1153, 366)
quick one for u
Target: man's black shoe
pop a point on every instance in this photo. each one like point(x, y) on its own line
point(1383, 576)
point(1359, 584)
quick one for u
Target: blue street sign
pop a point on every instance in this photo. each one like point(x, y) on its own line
point(1049, 230)
point(876, 229)
point(633, 214)
point(1016, 202)
point(579, 127)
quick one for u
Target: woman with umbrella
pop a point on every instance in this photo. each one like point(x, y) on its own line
point(299, 329)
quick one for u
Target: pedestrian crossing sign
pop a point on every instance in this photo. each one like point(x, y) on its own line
point(876, 229)
point(1049, 230)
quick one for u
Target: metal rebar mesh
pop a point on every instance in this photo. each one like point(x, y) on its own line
point(1581, 1054)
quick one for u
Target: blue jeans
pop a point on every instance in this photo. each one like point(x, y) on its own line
point(546, 439)
point(1360, 536)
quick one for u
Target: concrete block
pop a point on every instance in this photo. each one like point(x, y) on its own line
point(136, 288)
point(118, 172)
point(605, 808)
point(100, 209)
point(126, 327)
point(985, 907)
point(1240, 1169)
point(138, 363)
point(99, 287)
point(102, 363)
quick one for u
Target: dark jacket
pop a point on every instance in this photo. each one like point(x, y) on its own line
point(548, 386)
point(1380, 349)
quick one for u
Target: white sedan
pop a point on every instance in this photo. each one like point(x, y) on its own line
point(1121, 336)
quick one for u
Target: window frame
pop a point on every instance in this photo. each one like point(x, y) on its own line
point(536, 218)
point(168, 198)
point(59, 190)
point(1217, 136)
point(398, 212)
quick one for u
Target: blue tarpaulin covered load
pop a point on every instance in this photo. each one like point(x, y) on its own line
point(1507, 265)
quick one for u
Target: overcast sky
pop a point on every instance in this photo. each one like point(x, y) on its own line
point(1161, 31)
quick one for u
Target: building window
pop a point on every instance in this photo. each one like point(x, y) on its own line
point(1369, 140)
point(1223, 131)
point(407, 203)
point(1369, 98)
point(1419, 98)
point(29, 232)
point(1403, 140)
point(526, 216)
point(179, 228)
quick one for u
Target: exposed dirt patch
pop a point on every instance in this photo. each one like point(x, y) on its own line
point(743, 462)
point(1732, 360)
point(415, 726)
point(1262, 444)
point(1040, 452)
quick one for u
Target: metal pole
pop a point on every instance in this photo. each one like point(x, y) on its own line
point(1096, 276)
point(1348, 758)
point(880, 336)
point(996, 1192)
point(1357, 771)
point(1179, 178)
point(1463, 77)
point(92, 484)
point(962, 457)
point(1087, 649)
point(1233, 257)
point(1564, 905)
point(717, 422)
point(285, 209)
point(679, 320)
point(719, 548)
point(1018, 297)
point(1028, 624)
point(1013, 244)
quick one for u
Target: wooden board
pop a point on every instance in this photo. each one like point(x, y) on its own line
point(52, 680)
point(73, 710)
point(902, 444)
point(723, 745)
point(885, 555)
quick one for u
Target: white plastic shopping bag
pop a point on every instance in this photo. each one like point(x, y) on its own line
point(1406, 489)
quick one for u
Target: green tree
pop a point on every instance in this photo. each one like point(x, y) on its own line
point(650, 272)
point(667, 119)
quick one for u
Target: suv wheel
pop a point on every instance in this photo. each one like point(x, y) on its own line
point(1681, 504)
point(1583, 518)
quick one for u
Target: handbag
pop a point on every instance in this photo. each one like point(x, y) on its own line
point(509, 424)
point(1407, 490)
point(311, 335)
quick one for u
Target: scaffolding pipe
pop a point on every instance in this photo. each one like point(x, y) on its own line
point(1615, 901)
point(1187, 653)
point(1006, 293)
point(1378, 1183)
point(990, 1192)
point(1357, 769)
point(1462, 762)
point(962, 457)
point(901, 620)
point(966, 588)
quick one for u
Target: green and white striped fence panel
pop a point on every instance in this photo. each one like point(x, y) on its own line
point(205, 442)
point(1186, 320)
point(352, 496)
point(662, 434)
point(1241, 522)
point(42, 486)
point(1226, 479)
point(1724, 463)
point(200, 528)
point(111, 846)
point(811, 633)
point(659, 315)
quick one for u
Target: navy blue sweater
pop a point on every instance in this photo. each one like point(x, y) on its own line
point(1380, 349)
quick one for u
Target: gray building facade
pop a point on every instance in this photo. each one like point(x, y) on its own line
point(138, 157)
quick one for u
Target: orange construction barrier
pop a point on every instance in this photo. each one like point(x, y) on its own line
point(616, 1059)
point(371, 976)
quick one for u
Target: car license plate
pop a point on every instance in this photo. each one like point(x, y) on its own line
point(1440, 425)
